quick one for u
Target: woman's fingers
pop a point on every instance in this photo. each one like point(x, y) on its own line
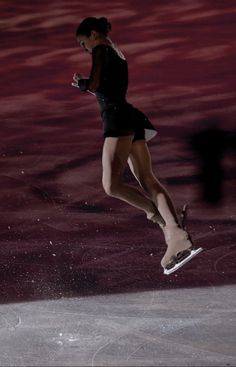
point(75, 85)
point(77, 77)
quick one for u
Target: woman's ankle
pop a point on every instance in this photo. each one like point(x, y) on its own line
point(156, 218)
point(174, 233)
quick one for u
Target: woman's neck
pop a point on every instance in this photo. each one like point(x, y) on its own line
point(104, 41)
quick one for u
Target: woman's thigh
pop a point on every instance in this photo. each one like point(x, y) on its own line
point(141, 166)
point(140, 159)
point(115, 154)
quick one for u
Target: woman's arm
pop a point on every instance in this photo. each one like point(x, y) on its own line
point(98, 60)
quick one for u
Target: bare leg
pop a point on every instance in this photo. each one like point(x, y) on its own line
point(177, 239)
point(114, 160)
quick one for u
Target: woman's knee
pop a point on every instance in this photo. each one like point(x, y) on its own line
point(111, 188)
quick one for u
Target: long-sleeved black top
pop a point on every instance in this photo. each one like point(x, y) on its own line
point(108, 77)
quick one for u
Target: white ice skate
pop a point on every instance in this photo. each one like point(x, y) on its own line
point(181, 259)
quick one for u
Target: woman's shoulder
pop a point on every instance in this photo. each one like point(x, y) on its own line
point(100, 46)
point(109, 48)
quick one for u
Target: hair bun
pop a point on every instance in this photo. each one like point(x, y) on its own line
point(93, 24)
point(104, 23)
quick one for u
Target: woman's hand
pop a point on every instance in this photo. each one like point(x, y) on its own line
point(76, 78)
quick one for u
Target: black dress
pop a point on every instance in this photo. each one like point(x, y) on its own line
point(109, 82)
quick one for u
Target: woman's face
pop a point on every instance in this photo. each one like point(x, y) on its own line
point(87, 43)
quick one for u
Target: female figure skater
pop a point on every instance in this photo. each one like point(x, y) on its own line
point(126, 130)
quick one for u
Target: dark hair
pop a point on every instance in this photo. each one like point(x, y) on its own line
point(89, 24)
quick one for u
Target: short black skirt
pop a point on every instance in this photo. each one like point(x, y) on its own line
point(120, 119)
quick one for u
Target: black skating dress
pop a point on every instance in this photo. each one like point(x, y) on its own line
point(109, 82)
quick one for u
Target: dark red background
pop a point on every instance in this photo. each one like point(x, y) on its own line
point(60, 233)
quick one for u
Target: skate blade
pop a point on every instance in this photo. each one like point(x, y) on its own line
point(184, 261)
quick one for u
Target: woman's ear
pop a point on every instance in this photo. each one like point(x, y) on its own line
point(93, 35)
